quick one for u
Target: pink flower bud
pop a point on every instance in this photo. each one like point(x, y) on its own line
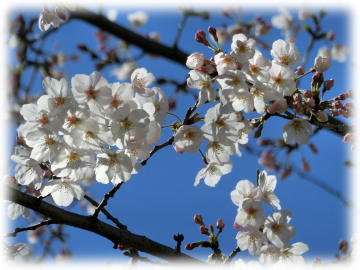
point(211, 228)
point(328, 84)
point(210, 69)
point(349, 137)
point(344, 114)
point(47, 174)
point(334, 113)
point(187, 247)
point(305, 166)
point(337, 105)
point(308, 93)
point(239, 66)
point(300, 111)
point(237, 226)
point(299, 71)
point(315, 263)
point(220, 225)
point(342, 96)
point(343, 246)
point(279, 106)
point(198, 220)
point(195, 60)
point(298, 97)
point(313, 148)
point(212, 31)
point(286, 172)
point(355, 147)
point(204, 230)
point(200, 37)
point(308, 110)
point(311, 103)
point(351, 94)
point(296, 105)
point(179, 149)
point(322, 116)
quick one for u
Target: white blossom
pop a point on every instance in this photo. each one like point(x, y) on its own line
point(213, 172)
point(322, 64)
point(137, 19)
point(242, 48)
point(285, 53)
point(269, 254)
point(15, 210)
point(290, 256)
point(141, 80)
point(188, 138)
point(46, 18)
point(282, 78)
point(124, 72)
point(245, 190)
point(195, 60)
point(283, 21)
point(224, 63)
point(250, 214)
point(298, 129)
point(251, 240)
point(202, 81)
point(267, 185)
point(339, 52)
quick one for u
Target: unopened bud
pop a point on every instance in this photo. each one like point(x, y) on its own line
point(312, 69)
point(322, 116)
point(317, 80)
point(212, 31)
point(311, 103)
point(257, 133)
point(239, 66)
point(331, 35)
point(343, 246)
point(299, 71)
point(220, 225)
point(313, 148)
point(200, 37)
point(337, 105)
point(204, 230)
point(296, 105)
point(308, 110)
point(47, 174)
point(328, 84)
point(279, 106)
point(19, 141)
point(198, 220)
point(11, 182)
point(172, 104)
point(208, 68)
point(61, 13)
point(308, 93)
point(211, 228)
point(285, 173)
point(298, 97)
point(82, 47)
point(334, 113)
point(349, 137)
point(237, 226)
point(351, 94)
point(305, 166)
point(300, 111)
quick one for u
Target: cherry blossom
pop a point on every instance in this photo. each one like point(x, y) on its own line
point(213, 172)
point(290, 256)
point(121, 93)
point(157, 106)
point(203, 82)
point(245, 190)
point(298, 129)
point(92, 90)
point(269, 254)
point(137, 19)
point(258, 67)
point(224, 63)
point(113, 166)
point(141, 80)
point(15, 210)
point(251, 240)
point(282, 78)
point(278, 230)
point(267, 185)
point(251, 265)
point(195, 60)
point(63, 191)
point(27, 170)
point(285, 53)
point(124, 72)
point(11, 252)
point(339, 52)
point(188, 138)
point(283, 21)
point(251, 214)
point(46, 18)
point(242, 48)
point(322, 64)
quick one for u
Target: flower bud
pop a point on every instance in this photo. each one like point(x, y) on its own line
point(200, 37)
point(47, 174)
point(296, 105)
point(239, 66)
point(198, 220)
point(191, 246)
point(237, 226)
point(211, 228)
point(317, 80)
point(279, 106)
point(311, 103)
point(187, 247)
point(210, 69)
point(343, 246)
point(298, 97)
point(334, 113)
point(300, 111)
point(328, 84)
point(220, 225)
point(322, 116)
point(308, 110)
point(19, 141)
point(308, 93)
point(212, 31)
point(61, 13)
point(257, 133)
point(299, 70)
point(172, 104)
point(322, 64)
point(11, 182)
point(195, 60)
point(351, 94)
point(342, 96)
point(286, 172)
point(337, 105)
point(349, 137)
point(315, 263)
point(313, 148)
point(204, 230)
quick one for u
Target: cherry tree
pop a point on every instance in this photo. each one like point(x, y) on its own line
point(85, 133)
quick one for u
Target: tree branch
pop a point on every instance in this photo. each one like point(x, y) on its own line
point(34, 227)
point(228, 260)
point(115, 235)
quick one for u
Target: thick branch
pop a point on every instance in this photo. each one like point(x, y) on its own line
point(115, 235)
point(129, 36)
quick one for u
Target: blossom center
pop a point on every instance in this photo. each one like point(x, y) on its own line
point(43, 120)
point(204, 85)
point(259, 94)
point(115, 102)
point(249, 195)
point(58, 100)
point(89, 134)
point(190, 135)
point(141, 82)
point(63, 187)
point(251, 213)
point(126, 124)
point(73, 158)
point(90, 92)
point(243, 48)
point(277, 228)
point(48, 141)
point(234, 80)
point(71, 121)
point(213, 171)
point(286, 255)
point(277, 80)
point(217, 148)
point(157, 106)
point(297, 127)
point(285, 58)
point(112, 160)
point(134, 151)
point(254, 68)
point(220, 122)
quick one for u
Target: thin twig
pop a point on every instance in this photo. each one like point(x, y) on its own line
point(133, 253)
point(228, 260)
point(105, 200)
point(179, 31)
point(30, 228)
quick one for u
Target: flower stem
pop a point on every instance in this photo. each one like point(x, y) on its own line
point(175, 116)
point(166, 126)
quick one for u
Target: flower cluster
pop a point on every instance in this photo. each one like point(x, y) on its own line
point(92, 126)
point(260, 231)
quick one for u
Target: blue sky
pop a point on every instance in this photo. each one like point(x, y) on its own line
point(161, 200)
